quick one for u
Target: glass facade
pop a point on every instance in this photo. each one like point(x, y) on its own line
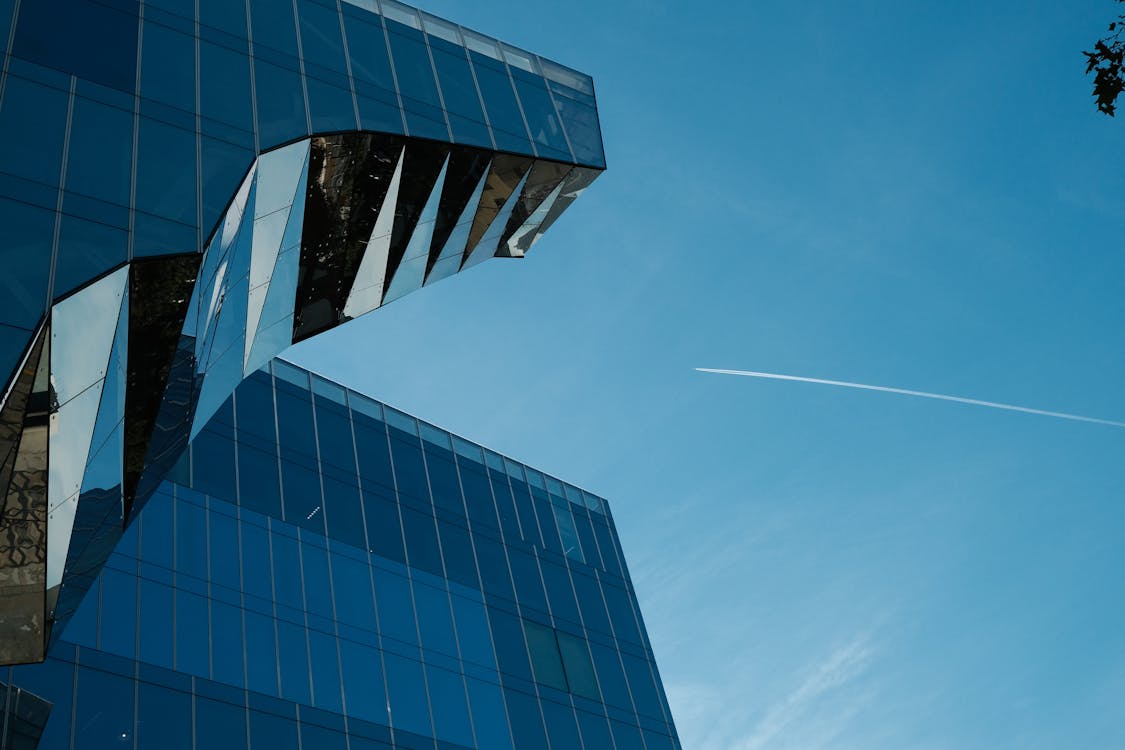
point(204, 546)
point(319, 568)
point(136, 119)
point(190, 186)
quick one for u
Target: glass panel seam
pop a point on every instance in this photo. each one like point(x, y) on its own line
point(61, 192)
point(480, 95)
point(620, 661)
point(253, 86)
point(304, 616)
point(327, 550)
point(437, 85)
point(199, 152)
point(394, 75)
point(301, 62)
point(558, 116)
point(519, 105)
point(136, 132)
point(351, 85)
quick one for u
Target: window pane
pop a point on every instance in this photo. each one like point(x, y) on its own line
point(396, 609)
point(261, 657)
point(86, 249)
point(472, 632)
point(416, 82)
point(34, 116)
point(421, 541)
point(460, 94)
point(164, 718)
point(273, 732)
point(579, 668)
point(273, 25)
point(352, 585)
point(281, 105)
point(168, 66)
point(527, 720)
point(258, 480)
point(447, 698)
point(407, 692)
point(226, 642)
point(375, 90)
point(507, 634)
point(155, 624)
point(164, 187)
point(325, 670)
point(545, 659)
point(104, 710)
point(363, 682)
point(224, 86)
point(26, 255)
point(217, 723)
point(192, 634)
point(119, 613)
point(500, 102)
point(489, 716)
point(56, 33)
point(101, 151)
point(434, 619)
point(541, 117)
point(294, 658)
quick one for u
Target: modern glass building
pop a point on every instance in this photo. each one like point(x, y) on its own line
point(321, 568)
point(201, 545)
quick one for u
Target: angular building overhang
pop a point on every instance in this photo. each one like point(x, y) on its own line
point(130, 360)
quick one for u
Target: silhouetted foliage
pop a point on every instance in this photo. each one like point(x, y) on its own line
point(1106, 62)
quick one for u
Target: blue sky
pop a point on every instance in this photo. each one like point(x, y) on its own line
point(909, 194)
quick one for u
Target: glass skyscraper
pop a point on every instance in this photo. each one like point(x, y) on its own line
point(204, 546)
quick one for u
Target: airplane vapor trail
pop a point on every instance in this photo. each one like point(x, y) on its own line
point(919, 394)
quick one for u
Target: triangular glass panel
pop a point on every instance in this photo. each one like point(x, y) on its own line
point(367, 290)
point(521, 240)
point(275, 329)
point(575, 183)
point(488, 244)
point(272, 300)
point(169, 437)
point(233, 219)
point(272, 226)
point(543, 181)
point(82, 328)
point(543, 178)
point(280, 171)
point(349, 176)
point(111, 410)
point(158, 298)
point(449, 259)
point(72, 428)
point(423, 163)
point(464, 183)
point(15, 404)
point(224, 371)
point(23, 629)
point(504, 175)
point(411, 270)
point(220, 271)
point(216, 257)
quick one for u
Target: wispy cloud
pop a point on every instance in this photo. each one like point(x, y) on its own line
point(824, 698)
point(842, 666)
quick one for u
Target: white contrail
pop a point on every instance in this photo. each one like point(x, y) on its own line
point(920, 394)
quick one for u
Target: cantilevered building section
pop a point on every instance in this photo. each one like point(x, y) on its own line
point(187, 188)
point(203, 546)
